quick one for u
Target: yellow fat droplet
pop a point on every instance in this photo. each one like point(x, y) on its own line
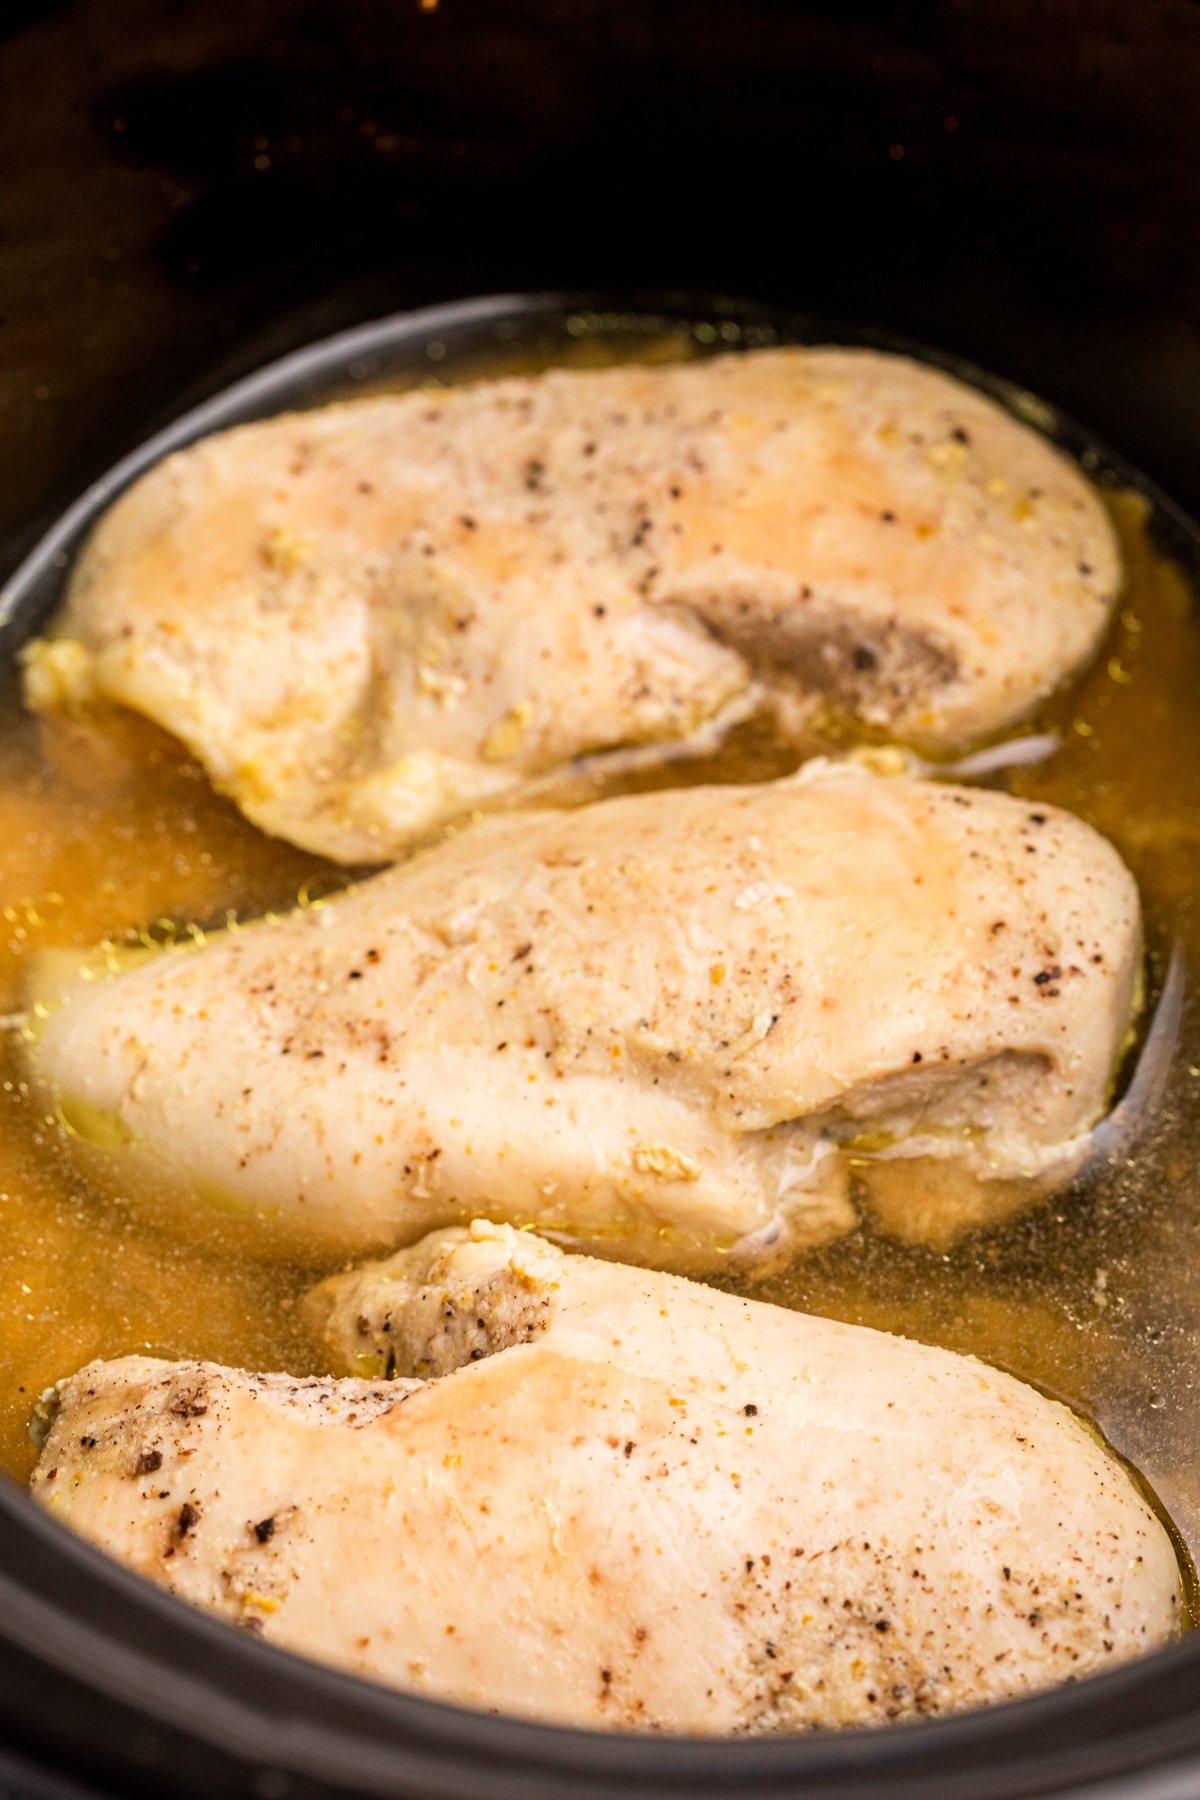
point(92, 1124)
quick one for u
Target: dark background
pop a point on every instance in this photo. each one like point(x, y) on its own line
point(190, 186)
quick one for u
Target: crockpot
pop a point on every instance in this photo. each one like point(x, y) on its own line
point(193, 191)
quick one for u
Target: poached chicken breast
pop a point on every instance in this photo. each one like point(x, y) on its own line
point(378, 616)
point(667, 1027)
point(622, 1499)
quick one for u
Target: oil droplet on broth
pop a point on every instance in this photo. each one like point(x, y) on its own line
point(106, 825)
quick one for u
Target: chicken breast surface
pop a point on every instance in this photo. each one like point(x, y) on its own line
point(624, 1500)
point(370, 618)
point(663, 1026)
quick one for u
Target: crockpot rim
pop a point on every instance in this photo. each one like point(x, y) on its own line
point(527, 1756)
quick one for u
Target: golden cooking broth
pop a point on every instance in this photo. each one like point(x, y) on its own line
point(107, 828)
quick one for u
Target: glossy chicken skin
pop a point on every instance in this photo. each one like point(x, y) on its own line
point(625, 1500)
point(647, 1026)
point(371, 618)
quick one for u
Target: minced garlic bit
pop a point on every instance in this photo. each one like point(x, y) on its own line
point(284, 552)
point(504, 738)
point(262, 1602)
point(57, 675)
point(665, 1163)
point(45, 1411)
point(445, 689)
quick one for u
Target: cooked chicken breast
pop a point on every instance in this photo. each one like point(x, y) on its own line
point(624, 1500)
point(663, 1026)
point(371, 618)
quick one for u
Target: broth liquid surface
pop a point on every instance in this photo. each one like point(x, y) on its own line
point(108, 828)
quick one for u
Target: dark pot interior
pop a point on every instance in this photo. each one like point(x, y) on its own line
point(190, 190)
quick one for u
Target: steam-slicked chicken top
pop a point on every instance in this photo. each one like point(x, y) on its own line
point(369, 618)
point(629, 1501)
point(646, 1025)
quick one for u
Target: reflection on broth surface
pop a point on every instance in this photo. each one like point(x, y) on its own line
point(108, 829)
